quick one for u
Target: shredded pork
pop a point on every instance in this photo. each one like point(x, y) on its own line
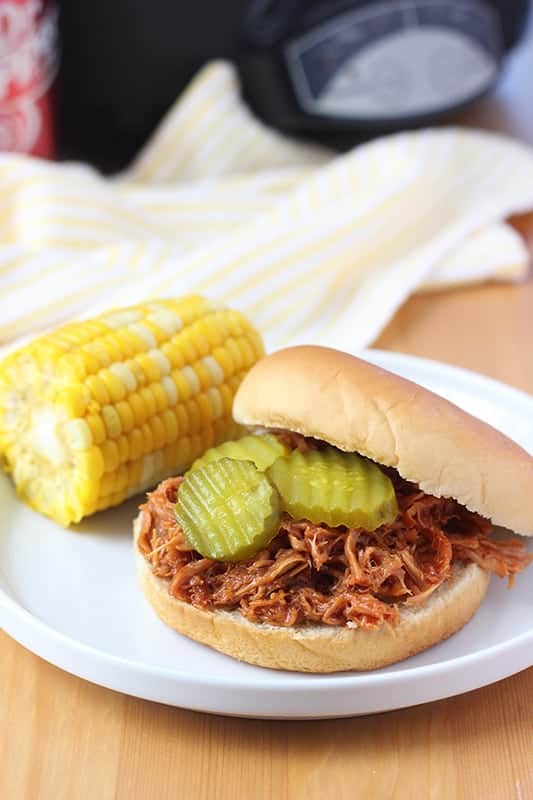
point(337, 576)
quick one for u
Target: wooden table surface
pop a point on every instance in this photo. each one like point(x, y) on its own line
point(62, 738)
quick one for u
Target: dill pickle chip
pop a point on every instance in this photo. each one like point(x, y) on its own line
point(262, 450)
point(335, 488)
point(228, 509)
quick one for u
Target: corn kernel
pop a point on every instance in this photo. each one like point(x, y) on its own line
point(236, 354)
point(160, 397)
point(134, 474)
point(220, 427)
point(111, 421)
point(168, 418)
point(148, 439)
point(121, 478)
point(235, 322)
point(110, 500)
point(123, 449)
point(158, 432)
point(72, 506)
point(110, 345)
point(184, 455)
point(107, 485)
point(71, 335)
point(148, 400)
point(212, 332)
point(71, 367)
point(98, 352)
point(170, 390)
point(193, 413)
point(125, 376)
point(174, 354)
point(205, 408)
point(90, 462)
point(157, 332)
point(182, 385)
point(217, 406)
point(257, 343)
point(226, 395)
point(74, 399)
point(161, 361)
point(224, 359)
point(149, 367)
point(203, 374)
point(138, 408)
point(170, 456)
point(182, 419)
point(114, 385)
point(248, 352)
point(148, 468)
point(98, 389)
point(186, 345)
point(207, 436)
point(218, 321)
point(119, 497)
point(143, 333)
point(215, 370)
point(127, 418)
point(90, 362)
point(86, 491)
point(192, 379)
point(61, 341)
point(48, 354)
point(121, 317)
point(97, 427)
point(128, 343)
point(135, 444)
point(201, 341)
point(196, 445)
point(110, 455)
point(78, 434)
point(167, 321)
point(191, 308)
point(235, 381)
point(159, 463)
point(137, 372)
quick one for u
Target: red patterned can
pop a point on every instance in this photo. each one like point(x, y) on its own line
point(28, 65)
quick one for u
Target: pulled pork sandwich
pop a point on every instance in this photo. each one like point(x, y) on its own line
point(351, 528)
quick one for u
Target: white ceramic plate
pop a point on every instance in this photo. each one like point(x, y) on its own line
point(72, 598)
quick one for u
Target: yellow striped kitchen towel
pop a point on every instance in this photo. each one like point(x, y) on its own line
point(314, 246)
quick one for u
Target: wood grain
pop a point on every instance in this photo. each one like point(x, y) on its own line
point(63, 738)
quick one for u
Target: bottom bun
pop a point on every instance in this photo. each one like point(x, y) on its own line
point(321, 648)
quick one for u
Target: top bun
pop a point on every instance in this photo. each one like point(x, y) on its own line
point(358, 407)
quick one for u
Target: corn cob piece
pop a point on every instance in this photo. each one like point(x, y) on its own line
point(100, 410)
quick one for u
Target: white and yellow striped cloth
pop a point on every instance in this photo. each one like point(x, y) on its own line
point(314, 246)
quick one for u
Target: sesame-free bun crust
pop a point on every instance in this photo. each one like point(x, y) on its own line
point(321, 648)
point(358, 407)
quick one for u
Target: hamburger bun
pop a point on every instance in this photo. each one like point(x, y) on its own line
point(358, 407)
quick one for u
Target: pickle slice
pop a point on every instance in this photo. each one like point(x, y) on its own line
point(228, 509)
point(335, 488)
point(262, 450)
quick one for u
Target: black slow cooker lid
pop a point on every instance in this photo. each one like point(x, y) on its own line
point(380, 65)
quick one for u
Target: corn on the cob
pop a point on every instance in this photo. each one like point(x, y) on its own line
point(103, 409)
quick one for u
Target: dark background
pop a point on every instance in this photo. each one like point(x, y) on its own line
point(123, 62)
